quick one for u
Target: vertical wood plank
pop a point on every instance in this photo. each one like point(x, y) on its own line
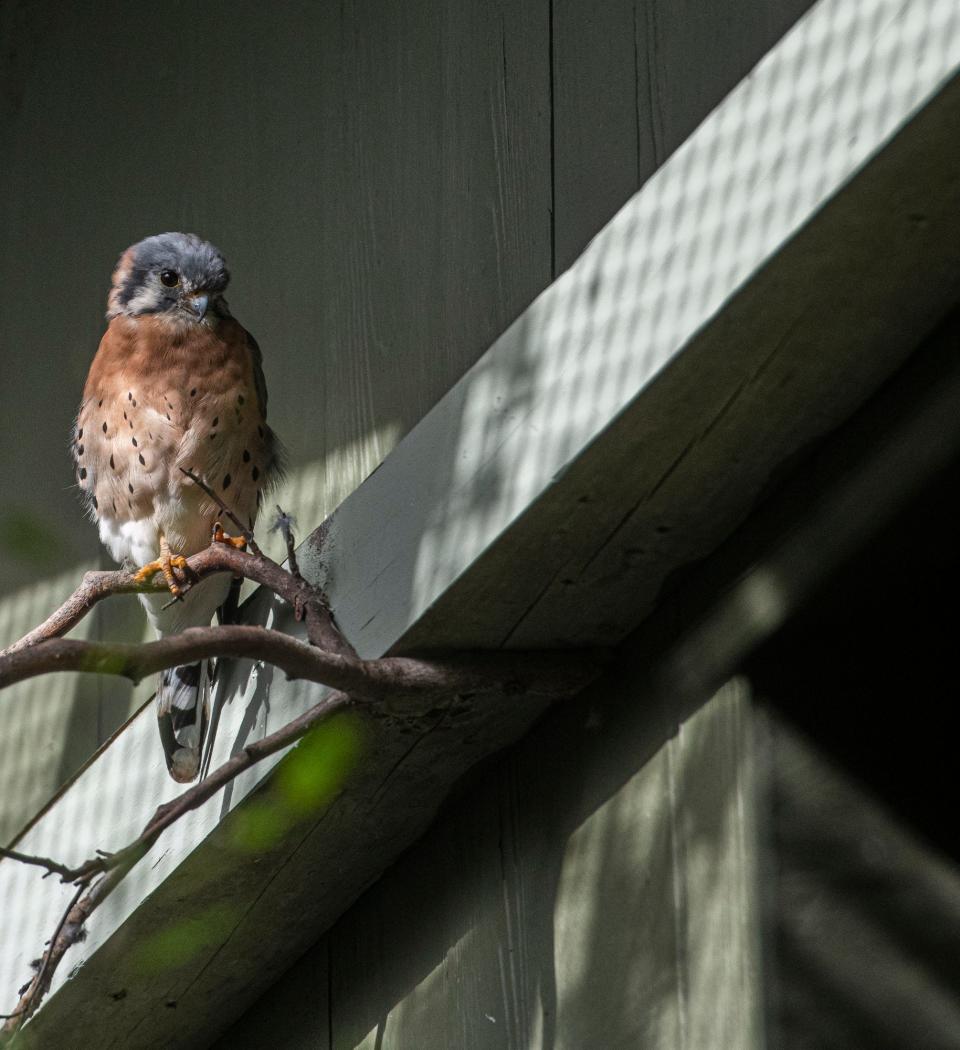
point(596, 120)
point(715, 821)
point(595, 886)
point(631, 80)
point(421, 962)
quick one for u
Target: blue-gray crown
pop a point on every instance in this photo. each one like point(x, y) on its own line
point(169, 272)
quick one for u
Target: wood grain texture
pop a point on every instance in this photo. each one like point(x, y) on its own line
point(631, 81)
point(595, 887)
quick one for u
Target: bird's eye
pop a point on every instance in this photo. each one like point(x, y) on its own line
point(169, 278)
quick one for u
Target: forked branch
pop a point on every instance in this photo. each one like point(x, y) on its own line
point(416, 681)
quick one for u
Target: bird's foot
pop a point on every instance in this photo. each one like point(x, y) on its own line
point(165, 564)
point(219, 536)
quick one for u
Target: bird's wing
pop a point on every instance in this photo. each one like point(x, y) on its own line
point(259, 380)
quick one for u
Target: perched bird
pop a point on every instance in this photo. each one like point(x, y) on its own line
point(176, 383)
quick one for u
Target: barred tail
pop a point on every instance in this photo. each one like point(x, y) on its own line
point(182, 716)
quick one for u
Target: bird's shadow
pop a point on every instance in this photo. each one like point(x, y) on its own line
point(248, 679)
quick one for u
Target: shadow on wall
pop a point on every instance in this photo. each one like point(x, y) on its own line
point(558, 902)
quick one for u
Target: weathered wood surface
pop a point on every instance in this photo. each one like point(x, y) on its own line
point(445, 500)
point(428, 954)
point(596, 887)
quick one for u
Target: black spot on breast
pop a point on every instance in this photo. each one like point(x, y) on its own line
point(124, 415)
point(255, 473)
point(134, 440)
point(104, 426)
point(216, 420)
point(239, 399)
point(96, 506)
point(129, 395)
point(80, 450)
point(100, 403)
point(167, 414)
point(83, 473)
point(142, 460)
point(149, 435)
point(226, 481)
point(134, 402)
point(112, 464)
point(130, 487)
point(113, 503)
point(79, 433)
point(131, 424)
point(246, 455)
point(193, 392)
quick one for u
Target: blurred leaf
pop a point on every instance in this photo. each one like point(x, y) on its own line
point(28, 538)
point(260, 825)
point(305, 782)
point(313, 774)
point(103, 663)
point(181, 942)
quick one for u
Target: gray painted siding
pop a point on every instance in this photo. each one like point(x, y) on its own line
point(595, 887)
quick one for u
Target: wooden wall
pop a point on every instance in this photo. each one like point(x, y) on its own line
point(594, 887)
point(391, 182)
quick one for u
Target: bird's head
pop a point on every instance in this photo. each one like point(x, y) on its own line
point(172, 275)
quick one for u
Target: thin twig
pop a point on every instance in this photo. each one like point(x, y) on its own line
point(245, 531)
point(115, 866)
point(53, 867)
point(48, 954)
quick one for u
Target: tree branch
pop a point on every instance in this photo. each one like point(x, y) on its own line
point(218, 557)
point(115, 866)
point(395, 677)
point(327, 658)
point(54, 867)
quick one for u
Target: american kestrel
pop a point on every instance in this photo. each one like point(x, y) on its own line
point(176, 383)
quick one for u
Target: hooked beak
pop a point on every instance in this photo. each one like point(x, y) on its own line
point(198, 305)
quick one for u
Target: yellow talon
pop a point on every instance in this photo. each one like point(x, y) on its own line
point(165, 564)
point(219, 536)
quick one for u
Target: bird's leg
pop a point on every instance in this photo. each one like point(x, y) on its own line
point(166, 563)
point(219, 536)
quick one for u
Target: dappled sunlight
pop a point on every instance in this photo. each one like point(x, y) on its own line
point(311, 492)
point(656, 906)
point(704, 223)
